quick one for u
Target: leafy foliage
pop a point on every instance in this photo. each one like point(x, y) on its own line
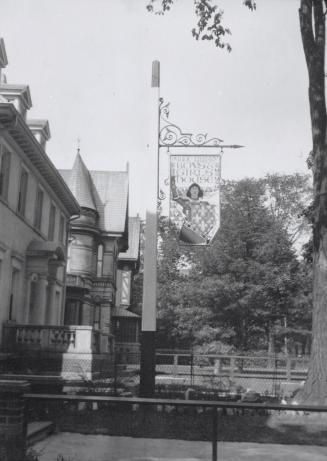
point(289, 198)
point(209, 16)
point(247, 287)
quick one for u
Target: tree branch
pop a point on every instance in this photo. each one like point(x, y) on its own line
point(311, 12)
point(319, 22)
point(305, 14)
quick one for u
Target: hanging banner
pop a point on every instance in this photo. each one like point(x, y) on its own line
point(195, 197)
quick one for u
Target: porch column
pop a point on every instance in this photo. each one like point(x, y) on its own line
point(29, 301)
point(51, 314)
point(105, 317)
point(41, 300)
point(87, 313)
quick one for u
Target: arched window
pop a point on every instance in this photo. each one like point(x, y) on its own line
point(99, 260)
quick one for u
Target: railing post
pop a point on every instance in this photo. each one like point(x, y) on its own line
point(115, 372)
point(217, 367)
point(232, 367)
point(214, 433)
point(288, 369)
point(175, 366)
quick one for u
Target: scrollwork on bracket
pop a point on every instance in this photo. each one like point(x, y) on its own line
point(161, 195)
point(171, 135)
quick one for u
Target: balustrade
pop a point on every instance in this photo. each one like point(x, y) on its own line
point(72, 338)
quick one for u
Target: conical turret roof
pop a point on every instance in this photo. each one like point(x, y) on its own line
point(80, 183)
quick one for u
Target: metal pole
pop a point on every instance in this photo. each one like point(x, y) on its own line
point(147, 366)
point(214, 434)
point(192, 365)
point(115, 372)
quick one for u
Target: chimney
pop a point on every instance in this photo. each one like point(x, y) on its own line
point(18, 95)
point(41, 130)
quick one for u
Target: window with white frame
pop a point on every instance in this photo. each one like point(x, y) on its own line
point(99, 260)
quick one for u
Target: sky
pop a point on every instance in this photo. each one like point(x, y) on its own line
point(88, 66)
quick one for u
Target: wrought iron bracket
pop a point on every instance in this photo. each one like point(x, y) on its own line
point(171, 135)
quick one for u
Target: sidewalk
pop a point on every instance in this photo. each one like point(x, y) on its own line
point(80, 447)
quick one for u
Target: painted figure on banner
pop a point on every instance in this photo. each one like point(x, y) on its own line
point(195, 201)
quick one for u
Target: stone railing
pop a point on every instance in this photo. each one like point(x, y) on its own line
point(67, 338)
point(78, 282)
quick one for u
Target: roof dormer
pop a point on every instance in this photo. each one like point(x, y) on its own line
point(41, 130)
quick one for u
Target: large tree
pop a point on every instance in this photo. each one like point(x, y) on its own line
point(312, 14)
point(240, 291)
point(312, 24)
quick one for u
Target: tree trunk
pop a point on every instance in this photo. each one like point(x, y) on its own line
point(312, 24)
point(271, 347)
point(315, 388)
point(271, 342)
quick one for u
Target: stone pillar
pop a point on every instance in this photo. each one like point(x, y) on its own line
point(105, 317)
point(41, 299)
point(87, 313)
point(50, 314)
point(12, 422)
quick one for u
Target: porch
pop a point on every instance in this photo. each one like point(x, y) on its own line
point(71, 352)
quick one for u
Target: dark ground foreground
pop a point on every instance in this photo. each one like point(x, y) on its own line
point(286, 427)
point(78, 447)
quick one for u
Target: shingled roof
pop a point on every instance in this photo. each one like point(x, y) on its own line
point(79, 182)
point(104, 191)
point(111, 199)
point(132, 254)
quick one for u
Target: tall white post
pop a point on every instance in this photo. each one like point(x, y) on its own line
point(147, 372)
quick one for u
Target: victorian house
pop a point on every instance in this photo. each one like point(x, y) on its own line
point(103, 251)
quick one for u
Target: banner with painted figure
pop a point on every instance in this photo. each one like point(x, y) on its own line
point(195, 197)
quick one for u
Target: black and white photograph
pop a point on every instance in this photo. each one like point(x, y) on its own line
point(163, 230)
